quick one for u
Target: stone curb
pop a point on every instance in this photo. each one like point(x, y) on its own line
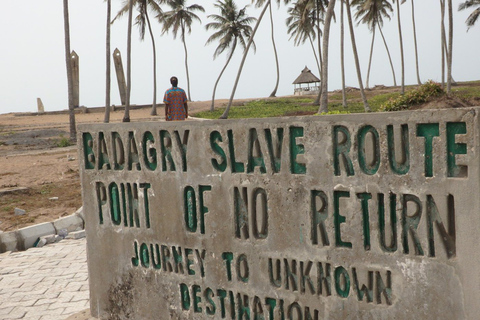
point(40, 234)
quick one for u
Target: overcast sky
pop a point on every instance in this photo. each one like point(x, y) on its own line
point(32, 62)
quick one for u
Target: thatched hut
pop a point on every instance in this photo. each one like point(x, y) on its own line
point(306, 83)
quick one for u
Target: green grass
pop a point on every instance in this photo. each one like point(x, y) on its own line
point(264, 109)
point(280, 107)
point(467, 92)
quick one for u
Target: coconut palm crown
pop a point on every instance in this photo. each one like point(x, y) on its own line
point(472, 18)
point(180, 18)
point(233, 26)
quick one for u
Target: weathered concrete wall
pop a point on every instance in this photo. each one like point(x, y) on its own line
point(371, 216)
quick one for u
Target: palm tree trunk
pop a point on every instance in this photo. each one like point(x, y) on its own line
point(212, 107)
point(355, 55)
point(370, 59)
point(442, 35)
point(71, 110)
point(227, 110)
point(415, 43)
point(108, 64)
point(315, 54)
point(389, 56)
point(186, 69)
point(450, 47)
point(186, 62)
point(126, 116)
point(274, 92)
point(154, 104)
point(317, 13)
point(401, 47)
point(342, 54)
point(326, 37)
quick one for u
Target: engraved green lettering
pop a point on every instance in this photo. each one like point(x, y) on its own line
point(428, 131)
point(403, 166)
point(114, 204)
point(338, 219)
point(372, 167)
point(295, 150)
point(103, 159)
point(190, 209)
point(364, 197)
point(342, 282)
point(448, 237)
point(319, 216)
point(275, 153)
point(88, 154)
point(341, 148)
point(454, 148)
point(166, 149)
point(133, 158)
point(221, 166)
point(393, 222)
point(257, 159)
point(149, 151)
point(410, 223)
point(235, 166)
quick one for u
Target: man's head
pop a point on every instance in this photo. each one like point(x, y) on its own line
point(174, 81)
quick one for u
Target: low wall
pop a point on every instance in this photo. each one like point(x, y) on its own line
point(365, 216)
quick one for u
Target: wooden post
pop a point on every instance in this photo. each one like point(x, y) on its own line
point(75, 78)
point(122, 85)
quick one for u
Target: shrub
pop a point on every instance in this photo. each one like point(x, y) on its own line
point(424, 93)
point(63, 142)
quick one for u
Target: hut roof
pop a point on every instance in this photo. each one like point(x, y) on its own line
point(306, 77)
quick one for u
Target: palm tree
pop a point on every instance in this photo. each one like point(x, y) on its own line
point(443, 39)
point(450, 47)
point(304, 22)
point(126, 116)
point(259, 3)
point(342, 54)
point(142, 21)
point(71, 113)
point(245, 53)
point(355, 55)
point(274, 92)
point(233, 27)
point(300, 26)
point(472, 18)
point(326, 37)
point(180, 18)
point(371, 13)
point(318, 16)
point(401, 43)
point(108, 64)
point(415, 43)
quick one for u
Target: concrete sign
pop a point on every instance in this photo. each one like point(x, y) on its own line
point(369, 216)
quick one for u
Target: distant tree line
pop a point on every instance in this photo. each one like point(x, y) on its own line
point(231, 26)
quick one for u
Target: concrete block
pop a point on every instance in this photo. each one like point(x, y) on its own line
point(8, 241)
point(29, 235)
point(76, 235)
point(362, 216)
point(70, 223)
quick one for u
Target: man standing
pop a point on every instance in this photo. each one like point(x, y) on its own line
point(175, 100)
